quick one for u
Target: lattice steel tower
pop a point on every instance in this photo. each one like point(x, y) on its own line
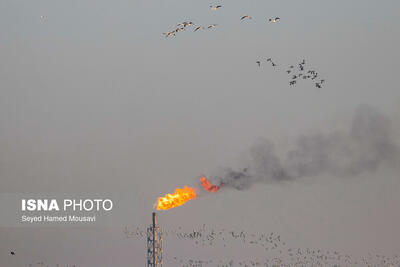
point(154, 244)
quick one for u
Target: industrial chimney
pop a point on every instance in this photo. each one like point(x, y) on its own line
point(154, 244)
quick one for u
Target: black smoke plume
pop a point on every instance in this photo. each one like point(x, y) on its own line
point(368, 144)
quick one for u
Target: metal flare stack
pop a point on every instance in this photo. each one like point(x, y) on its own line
point(154, 244)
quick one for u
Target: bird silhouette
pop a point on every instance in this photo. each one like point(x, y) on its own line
point(274, 19)
point(214, 8)
point(198, 28)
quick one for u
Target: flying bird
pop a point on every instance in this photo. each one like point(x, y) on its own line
point(245, 17)
point(274, 19)
point(168, 34)
point(215, 7)
point(185, 23)
point(198, 28)
point(272, 63)
point(259, 63)
point(211, 26)
point(180, 29)
point(12, 253)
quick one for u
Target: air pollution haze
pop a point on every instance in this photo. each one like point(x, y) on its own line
point(368, 144)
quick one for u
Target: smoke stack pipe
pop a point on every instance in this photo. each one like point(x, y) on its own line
point(154, 243)
point(154, 219)
point(154, 238)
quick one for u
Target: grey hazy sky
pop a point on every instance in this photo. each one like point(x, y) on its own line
point(95, 99)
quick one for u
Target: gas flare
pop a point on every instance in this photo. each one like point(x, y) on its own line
point(208, 186)
point(178, 198)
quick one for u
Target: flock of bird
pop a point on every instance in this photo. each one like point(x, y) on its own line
point(44, 264)
point(296, 74)
point(299, 73)
point(183, 26)
point(278, 253)
point(210, 237)
point(288, 257)
point(300, 258)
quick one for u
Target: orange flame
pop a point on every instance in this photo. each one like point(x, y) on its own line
point(178, 198)
point(208, 186)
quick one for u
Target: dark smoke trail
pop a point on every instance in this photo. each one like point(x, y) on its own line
point(368, 144)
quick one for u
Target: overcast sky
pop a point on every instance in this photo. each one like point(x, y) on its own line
point(95, 100)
